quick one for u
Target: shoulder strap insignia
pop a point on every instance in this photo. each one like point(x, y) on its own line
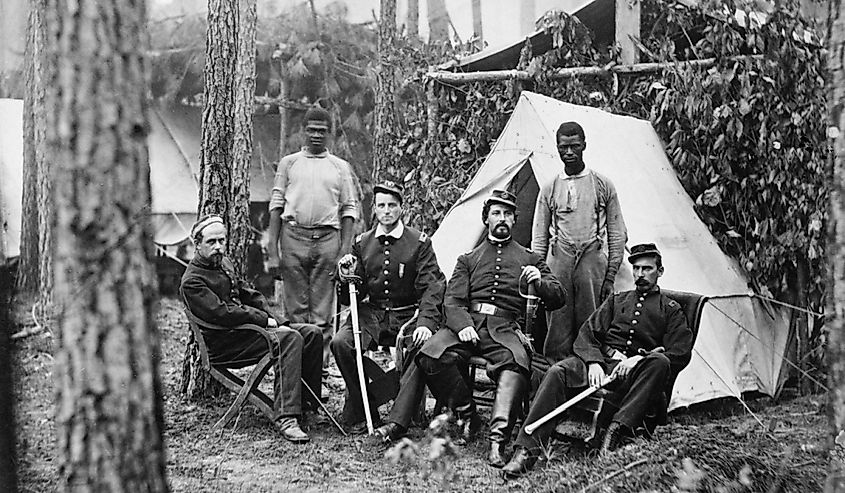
point(674, 304)
point(423, 236)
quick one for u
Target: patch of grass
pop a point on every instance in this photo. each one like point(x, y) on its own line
point(716, 447)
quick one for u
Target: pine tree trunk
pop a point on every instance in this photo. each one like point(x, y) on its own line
point(8, 477)
point(109, 416)
point(29, 266)
point(413, 19)
point(477, 26)
point(385, 118)
point(284, 95)
point(240, 232)
point(836, 251)
point(438, 21)
point(218, 128)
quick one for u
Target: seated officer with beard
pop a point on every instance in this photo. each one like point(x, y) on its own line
point(483, 310)
point(640, 336)
point(215, 294)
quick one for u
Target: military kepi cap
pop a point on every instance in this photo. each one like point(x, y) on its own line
point(501, 197)
point(389, 187)
point(644, 250)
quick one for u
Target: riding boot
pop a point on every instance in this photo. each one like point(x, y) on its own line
point(509, 395)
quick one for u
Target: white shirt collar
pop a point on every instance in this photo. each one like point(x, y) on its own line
point(396, 233)
point(584, 172)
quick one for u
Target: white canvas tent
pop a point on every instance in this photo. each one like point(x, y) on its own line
point(727, 359)
point(172, 183)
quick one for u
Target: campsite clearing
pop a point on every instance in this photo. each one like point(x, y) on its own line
point(725, 446)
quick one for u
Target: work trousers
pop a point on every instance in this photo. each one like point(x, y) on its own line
point(308, 259)
point(565, 379)
point(299, 355)
point(378, 328)
point(581, 273)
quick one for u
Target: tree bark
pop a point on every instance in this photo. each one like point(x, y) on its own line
point(477, 26)
point(240, 232)
point(438, 21)
point(413, 19)
point(385, 117)
point(109, 416)
point(836, 254)
point(8, 476)
point(218, 134)
point(34, 224)
point(284, 94)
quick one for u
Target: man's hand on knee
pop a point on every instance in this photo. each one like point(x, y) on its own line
point(468, 334)
point(421, 334)
point(624, 368)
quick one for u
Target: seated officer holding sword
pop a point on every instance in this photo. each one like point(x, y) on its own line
point(398, 272)
point(640, 337)
point(484, 308)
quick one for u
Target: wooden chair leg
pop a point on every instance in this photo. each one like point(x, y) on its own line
point(248, 386)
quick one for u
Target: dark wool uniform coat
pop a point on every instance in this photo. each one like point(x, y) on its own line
point(630, 321)
point(490, 274)
point(217, 295)
point(398, 272)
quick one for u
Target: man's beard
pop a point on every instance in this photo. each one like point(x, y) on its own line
point(215, 258)
point(501, 231)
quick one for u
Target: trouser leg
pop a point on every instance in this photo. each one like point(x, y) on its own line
point(555, 389)
point(287, 388)
point(321, 287)
point(587, 278)
point(447, 384)
point(312, 359)
point(296, 268)
point(647, 379)
point(343, 348)
point(411, 389)
point(561, 334)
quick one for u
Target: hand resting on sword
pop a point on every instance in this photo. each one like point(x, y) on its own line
point(624, 368)
point(595, 374)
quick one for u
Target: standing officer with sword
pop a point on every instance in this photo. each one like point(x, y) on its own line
point(397, 272)
point(640, 336)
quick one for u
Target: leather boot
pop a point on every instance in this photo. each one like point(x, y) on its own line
point(614, 437)
point(521, 462)
point(509, 394)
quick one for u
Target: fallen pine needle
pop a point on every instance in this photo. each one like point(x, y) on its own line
point(614, 474)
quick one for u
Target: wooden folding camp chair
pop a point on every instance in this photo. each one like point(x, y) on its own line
point(245, 389)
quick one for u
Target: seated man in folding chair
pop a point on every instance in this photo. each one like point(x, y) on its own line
point(640, 337)
point(214, 293)
point(483, 309)
point(399, 273)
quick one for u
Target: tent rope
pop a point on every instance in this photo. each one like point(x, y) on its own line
point(739, 397)
point(170, 255)
point(769, 346)
point(771, 300)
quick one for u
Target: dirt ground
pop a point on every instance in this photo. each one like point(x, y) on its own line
point(715, 447)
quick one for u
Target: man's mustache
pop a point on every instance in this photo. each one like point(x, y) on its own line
point(640, 282)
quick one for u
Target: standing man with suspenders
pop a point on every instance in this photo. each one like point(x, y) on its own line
point(574, 217)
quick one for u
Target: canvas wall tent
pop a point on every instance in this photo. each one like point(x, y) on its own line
point(174, 147)
point(172, 183)
point(727, 359)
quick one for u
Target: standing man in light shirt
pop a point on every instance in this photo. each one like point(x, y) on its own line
point(313, 208)
point(575, 217)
